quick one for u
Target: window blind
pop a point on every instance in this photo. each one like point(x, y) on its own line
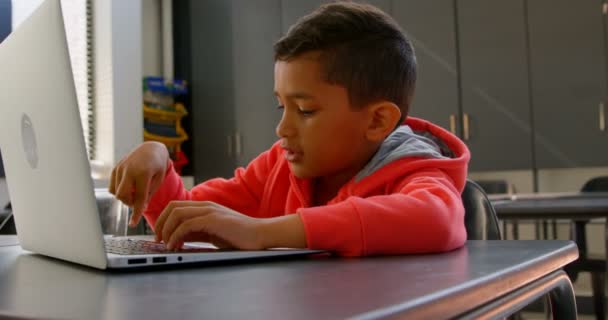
point(77, 17)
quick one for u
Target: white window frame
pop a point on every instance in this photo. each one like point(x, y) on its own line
point(107, 73)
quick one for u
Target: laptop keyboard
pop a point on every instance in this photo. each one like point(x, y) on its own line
point(134, 246)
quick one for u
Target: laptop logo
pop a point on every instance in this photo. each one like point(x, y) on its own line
point(28, 137)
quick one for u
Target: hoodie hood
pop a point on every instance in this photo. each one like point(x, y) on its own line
point(416, 138)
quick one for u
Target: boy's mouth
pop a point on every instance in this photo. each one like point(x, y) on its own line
point(292, 155)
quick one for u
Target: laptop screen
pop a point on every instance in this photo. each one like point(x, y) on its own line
point(5, 29)
point(1, 167)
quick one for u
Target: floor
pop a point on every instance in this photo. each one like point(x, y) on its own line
point(540, 316)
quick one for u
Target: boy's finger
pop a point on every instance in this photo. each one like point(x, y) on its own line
point(185, 228)
point(112, 187)
point(135, 217)
point(124, 190)
point(160, 222)
point(179, 215)
point(164, 215)
point(142, 187)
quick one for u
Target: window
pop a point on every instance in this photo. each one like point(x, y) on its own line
point(78, 34)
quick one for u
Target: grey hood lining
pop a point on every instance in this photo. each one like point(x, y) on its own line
point(402, 143)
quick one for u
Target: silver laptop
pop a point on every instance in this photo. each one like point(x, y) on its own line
point(46, 165)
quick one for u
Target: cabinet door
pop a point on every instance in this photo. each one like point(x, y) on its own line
point(430, 27)
point(568, 66)
point(292, 10)
point(256, 26)
point(495, 87)
point(212, 88)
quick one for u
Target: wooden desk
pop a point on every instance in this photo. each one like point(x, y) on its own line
point(484, 278)
point(572, 206)
point(546, 206)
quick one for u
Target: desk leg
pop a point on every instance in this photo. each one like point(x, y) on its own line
point(606, 259)
point(556, 284)
point(563, 302)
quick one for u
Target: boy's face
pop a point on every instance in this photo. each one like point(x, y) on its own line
point(321, 134)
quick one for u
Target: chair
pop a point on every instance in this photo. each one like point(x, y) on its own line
point(494, 186)
point(480, 218)
point(585, 263)
point(7, 222)
point(501, 187)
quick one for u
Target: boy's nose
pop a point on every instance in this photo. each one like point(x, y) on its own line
point(284, 128)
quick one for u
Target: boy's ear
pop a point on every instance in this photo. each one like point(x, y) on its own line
point(383, 119)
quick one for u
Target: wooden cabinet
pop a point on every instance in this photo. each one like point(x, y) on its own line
point(255, 29)
point(430, 26)
point(568, 76)
point(292, 10)
point(233, 106)
point(494, 84)
point(212, 87)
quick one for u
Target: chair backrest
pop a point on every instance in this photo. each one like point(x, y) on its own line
point(495, 186)
point(597, 184)
point(479, 218)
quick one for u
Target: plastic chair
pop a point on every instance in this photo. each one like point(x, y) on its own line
point(494, 186)
point(479, 218)
point(501, 187)
point(586, 263)
point(7, 222)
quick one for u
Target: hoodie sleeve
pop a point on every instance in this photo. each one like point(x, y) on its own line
point(424, 214)
point(241, 193)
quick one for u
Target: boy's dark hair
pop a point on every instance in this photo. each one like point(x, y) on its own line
point(362, 49)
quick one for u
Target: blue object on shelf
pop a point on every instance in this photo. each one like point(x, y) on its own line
point(157, 84)
point(160, 129)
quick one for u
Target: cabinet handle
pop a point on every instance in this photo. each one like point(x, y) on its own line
point(237, 144)
point(229, 144)
point(465, 126)
point(453, 124)
point(602, 117)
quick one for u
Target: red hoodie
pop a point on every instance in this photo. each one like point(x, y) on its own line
point(409, 204)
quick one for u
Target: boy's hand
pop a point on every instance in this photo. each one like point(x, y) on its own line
point(205, 221)
point(137, 176)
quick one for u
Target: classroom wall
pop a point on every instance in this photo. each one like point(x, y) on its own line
point(564, 180)
point(151, 38)
point(118, 70)
point(22, 9)
point(522, 180)
point(549, 180)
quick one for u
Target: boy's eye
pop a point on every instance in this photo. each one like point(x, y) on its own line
point(303, 112)
point(306, 112)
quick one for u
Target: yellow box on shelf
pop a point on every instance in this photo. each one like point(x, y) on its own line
point(172, 143)
point(165, 113)
point(162, 124)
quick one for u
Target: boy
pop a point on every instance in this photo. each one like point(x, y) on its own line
point(348, 174)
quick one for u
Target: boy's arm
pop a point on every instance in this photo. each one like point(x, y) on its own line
point(425, 215)
point(183, 221)
point(241, 193)
point(172, 189)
